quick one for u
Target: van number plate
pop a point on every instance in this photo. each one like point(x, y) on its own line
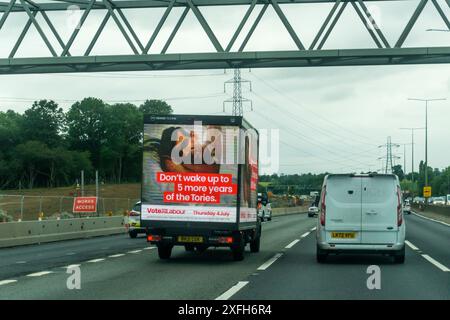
point(190, 239)
point(343, 235)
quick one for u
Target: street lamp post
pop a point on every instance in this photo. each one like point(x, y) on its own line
point(412, 149)
point(426, 131)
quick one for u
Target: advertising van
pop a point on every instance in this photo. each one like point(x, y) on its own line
point(199, 183)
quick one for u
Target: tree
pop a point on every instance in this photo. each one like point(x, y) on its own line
point(33, 157)
point(398, 171)
point(87, 128)
point(421, 178)
point(10, 136)
point(10, 129)
point(123, 123)
point(44, 122)
point(155, 107)
point(408, 185)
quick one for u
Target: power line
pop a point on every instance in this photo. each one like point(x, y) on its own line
point(31, 100)
point(314, 113)
point(303, 136)
point(314, 128)
point(352, 159)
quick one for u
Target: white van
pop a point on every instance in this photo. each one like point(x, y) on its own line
point(361, 214)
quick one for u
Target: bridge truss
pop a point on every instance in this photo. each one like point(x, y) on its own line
point(232, 54)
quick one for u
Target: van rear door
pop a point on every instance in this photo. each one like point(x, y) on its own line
point(379, 210)
point(343, 209)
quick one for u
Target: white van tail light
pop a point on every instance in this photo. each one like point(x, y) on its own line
point(399, 208)
point(323, 207)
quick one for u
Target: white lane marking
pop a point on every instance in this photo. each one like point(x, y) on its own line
point(70, 266)
point(70, 253)
point(116, 255)
point(21, 262)
point(409, 244)
point(3, 282)
point(434, 220)
point(313, 229)
point(39, 274)
point(148, 248)
point(135, 251)
point(96, 260)
point(293, 243)
point(437, 264)
point(305, 234)
point(232, 291)
point(269, 262)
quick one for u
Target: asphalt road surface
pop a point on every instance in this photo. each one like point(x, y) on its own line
point(117, 267)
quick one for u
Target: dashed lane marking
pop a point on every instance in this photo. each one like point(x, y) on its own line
point(39, 274)
point(293, 243)
point(305, 234)
point(232, 291)
point(135, 251)
point(409, 244)
point(269, 262)
point(96, 260)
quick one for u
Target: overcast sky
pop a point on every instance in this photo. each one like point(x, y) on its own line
point(330, 119)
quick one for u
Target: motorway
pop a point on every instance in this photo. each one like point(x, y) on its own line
point(117, 267)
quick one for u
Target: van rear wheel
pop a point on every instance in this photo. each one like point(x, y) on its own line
point(399, 256)
point(238, 248)
point(321, 255)
point(255, 244)
point(238, 253)
point(164, 252)
point(133, 234)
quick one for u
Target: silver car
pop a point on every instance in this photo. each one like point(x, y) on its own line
point(134, 221)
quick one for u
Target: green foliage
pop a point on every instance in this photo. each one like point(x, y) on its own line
point(439, 180)
point(86, 121)
point(293, 184)
point(46, 147)
point(155, 107)
point(44, 122)
point(397, 170)
point(409, 186)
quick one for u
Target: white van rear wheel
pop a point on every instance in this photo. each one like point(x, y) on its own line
point(321, 255)
point(399, 256)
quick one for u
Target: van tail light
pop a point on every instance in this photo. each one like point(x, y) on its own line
point(399, 208)
point(227, 240)
point(323, 207)
point(153, 238)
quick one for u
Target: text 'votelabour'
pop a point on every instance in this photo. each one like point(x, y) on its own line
point(196, 187)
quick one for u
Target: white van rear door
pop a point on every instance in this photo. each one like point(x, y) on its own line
point(379, 210)
point(343, 209)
